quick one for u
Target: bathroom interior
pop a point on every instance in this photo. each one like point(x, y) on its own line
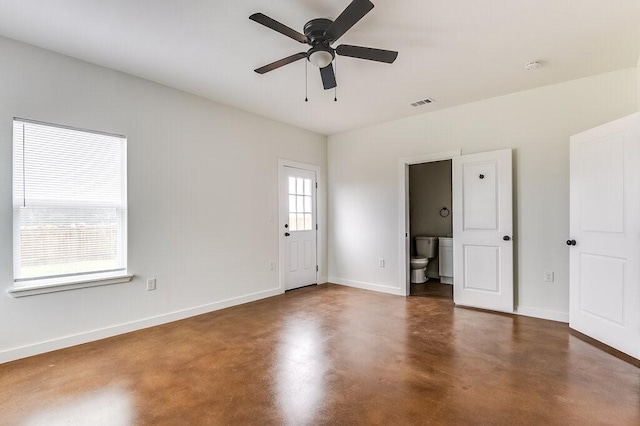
point(431, 229)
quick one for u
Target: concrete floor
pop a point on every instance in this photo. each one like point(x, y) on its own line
point(329, 355)
point(433, 288)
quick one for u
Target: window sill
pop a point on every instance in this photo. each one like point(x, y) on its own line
point(68, 285)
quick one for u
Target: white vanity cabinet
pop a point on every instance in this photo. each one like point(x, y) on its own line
point(445, 259)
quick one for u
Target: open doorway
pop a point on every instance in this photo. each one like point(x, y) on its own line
point(482, 216)
point(431, 229)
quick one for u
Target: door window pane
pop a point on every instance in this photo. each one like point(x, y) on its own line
point(300, 204)
point(292, 185)
point(300, 186)
point(307, 187)
point(292, 222)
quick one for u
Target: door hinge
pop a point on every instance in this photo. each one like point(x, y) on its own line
point(316, 185)
point(316, 226)
point(316, 268)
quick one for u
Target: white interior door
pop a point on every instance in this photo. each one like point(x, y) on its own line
point(605, 234)
point(299, 230)
point(482, 231)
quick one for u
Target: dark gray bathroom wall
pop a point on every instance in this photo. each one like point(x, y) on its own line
point(429, 191)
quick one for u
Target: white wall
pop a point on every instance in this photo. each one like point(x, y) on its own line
point(202, 199)
point(364, 180)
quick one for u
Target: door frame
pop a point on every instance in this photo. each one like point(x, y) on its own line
point(282, 163)
point(404, 233)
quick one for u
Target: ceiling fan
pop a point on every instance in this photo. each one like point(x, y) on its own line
point(320, 34)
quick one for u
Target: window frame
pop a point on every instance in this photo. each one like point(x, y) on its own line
point(49, 284)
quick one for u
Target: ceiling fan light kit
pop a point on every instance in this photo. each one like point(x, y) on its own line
point(320, 56)
point(320, 34)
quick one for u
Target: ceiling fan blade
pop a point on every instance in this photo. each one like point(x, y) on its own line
point(328, 77)
point(348, 18)
point(380, 55)
point(263, 19)
point(282, 62)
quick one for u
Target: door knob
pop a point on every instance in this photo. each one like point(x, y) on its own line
point(286, 234)
point(571, 242)
point(506, 238)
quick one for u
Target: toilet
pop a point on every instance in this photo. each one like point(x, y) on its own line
point(426, 248)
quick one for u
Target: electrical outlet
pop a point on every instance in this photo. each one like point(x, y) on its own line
point(151, 284)
point(548, 276)
point(272, 265)
point(381, 263)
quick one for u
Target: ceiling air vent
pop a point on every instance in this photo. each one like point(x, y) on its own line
point(422, 102)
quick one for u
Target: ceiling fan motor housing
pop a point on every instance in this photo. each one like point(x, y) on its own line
point(315, 31)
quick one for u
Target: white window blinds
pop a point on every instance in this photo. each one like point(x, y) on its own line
point(69, 202)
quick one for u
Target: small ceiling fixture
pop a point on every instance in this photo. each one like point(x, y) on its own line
point(530, 66)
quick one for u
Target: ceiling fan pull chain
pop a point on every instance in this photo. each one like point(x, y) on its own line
point(306, 83)
point(335, 89)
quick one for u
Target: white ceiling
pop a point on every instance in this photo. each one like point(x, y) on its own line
point(454, 51)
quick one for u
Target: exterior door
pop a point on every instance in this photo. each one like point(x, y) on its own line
point(482, 231)
point(604, 243)
point(298, 226)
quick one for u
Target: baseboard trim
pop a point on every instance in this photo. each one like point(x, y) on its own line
point(323, 280)
point(367, 286)
point(543, 314)
point(608, 349)
point(103, 333)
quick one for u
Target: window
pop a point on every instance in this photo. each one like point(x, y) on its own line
point(300, 208)
point(69, 204)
